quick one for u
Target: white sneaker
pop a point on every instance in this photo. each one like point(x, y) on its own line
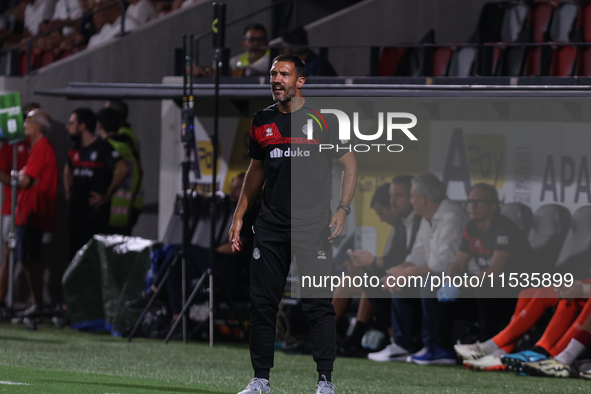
point(486, 363)
point(471, 352)
point(392, 352)
point(419, 353)
point(257, 386)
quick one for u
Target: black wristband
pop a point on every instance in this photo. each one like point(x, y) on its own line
point(345, 208)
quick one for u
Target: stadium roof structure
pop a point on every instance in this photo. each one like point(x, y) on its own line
point(258, 87)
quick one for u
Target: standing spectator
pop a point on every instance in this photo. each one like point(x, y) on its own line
point(296, 43)
point(37, 202)
point(92, 175)
point(6, 161)
point(108, 121)
point(127, 134)
point(434, 251)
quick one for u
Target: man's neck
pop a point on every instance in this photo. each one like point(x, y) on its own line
point(431, 210)
point(292, 105)
point(484, 224)
point(35, 138)
point(87, 138)
point(405, 216)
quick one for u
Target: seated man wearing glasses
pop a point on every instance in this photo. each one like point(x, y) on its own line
point(255, 59)
point(491, 244)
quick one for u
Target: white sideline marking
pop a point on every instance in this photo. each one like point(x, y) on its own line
point(14, 383)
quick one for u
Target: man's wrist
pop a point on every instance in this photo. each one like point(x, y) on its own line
point(345, 208)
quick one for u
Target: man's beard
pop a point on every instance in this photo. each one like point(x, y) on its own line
point(289, 93)
point(75, 137)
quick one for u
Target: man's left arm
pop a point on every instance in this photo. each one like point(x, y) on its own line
point(348, 185)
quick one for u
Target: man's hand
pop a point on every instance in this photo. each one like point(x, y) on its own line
point(361, 258)
point(338, 222)
point(578, 290)
point(97, 200)
point(234, 235)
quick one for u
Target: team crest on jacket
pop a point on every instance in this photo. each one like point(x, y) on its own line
point(256, 253)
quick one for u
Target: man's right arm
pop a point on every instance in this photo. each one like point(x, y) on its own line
point(253, 182)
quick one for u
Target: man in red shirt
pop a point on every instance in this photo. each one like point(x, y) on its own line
point(37, 202)
point(6, 161)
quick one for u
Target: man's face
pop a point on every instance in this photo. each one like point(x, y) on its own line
point(30, 126)
point(236, 189)
point(479, 205)
point(418, 201)
point(385, 213)
point(284, 81)
point(255, 43)
point(72, 126)
point(400, 199)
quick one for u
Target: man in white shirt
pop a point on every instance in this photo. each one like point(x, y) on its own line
point(37, 12)
point(108, 23)
point(139, 12)
point(436, 246)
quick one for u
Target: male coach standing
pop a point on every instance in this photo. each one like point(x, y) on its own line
point(295, 219)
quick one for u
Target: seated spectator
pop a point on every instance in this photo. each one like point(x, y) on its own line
point(435, 248)
point(12, 21)
point(255, 59)
point(86, 28)
point(37, 202)
point(180, 4)
point(139, 12)
point(253, 62)
point(36, 11)
point(491, 244)
point(65, 11)
point(296, 43)
point(108, 23)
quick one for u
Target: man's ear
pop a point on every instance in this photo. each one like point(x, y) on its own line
point(300, 82)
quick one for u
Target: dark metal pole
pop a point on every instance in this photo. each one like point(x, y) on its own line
point(219, 29)
point(12, 234)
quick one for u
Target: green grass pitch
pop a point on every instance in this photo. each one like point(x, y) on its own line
point(66, 361)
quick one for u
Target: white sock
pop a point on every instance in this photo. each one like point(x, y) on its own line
point(490, 346)
point(570, 354)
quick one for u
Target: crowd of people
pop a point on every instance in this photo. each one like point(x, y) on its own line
point(102, 181)
point(432, 234)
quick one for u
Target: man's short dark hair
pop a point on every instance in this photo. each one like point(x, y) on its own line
point(381, 196)
point(403, 179)
point(121, 107)
point(296, 40)
point(257, 27)
point(110, 119)
point(300, 67)
point(87, 117)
